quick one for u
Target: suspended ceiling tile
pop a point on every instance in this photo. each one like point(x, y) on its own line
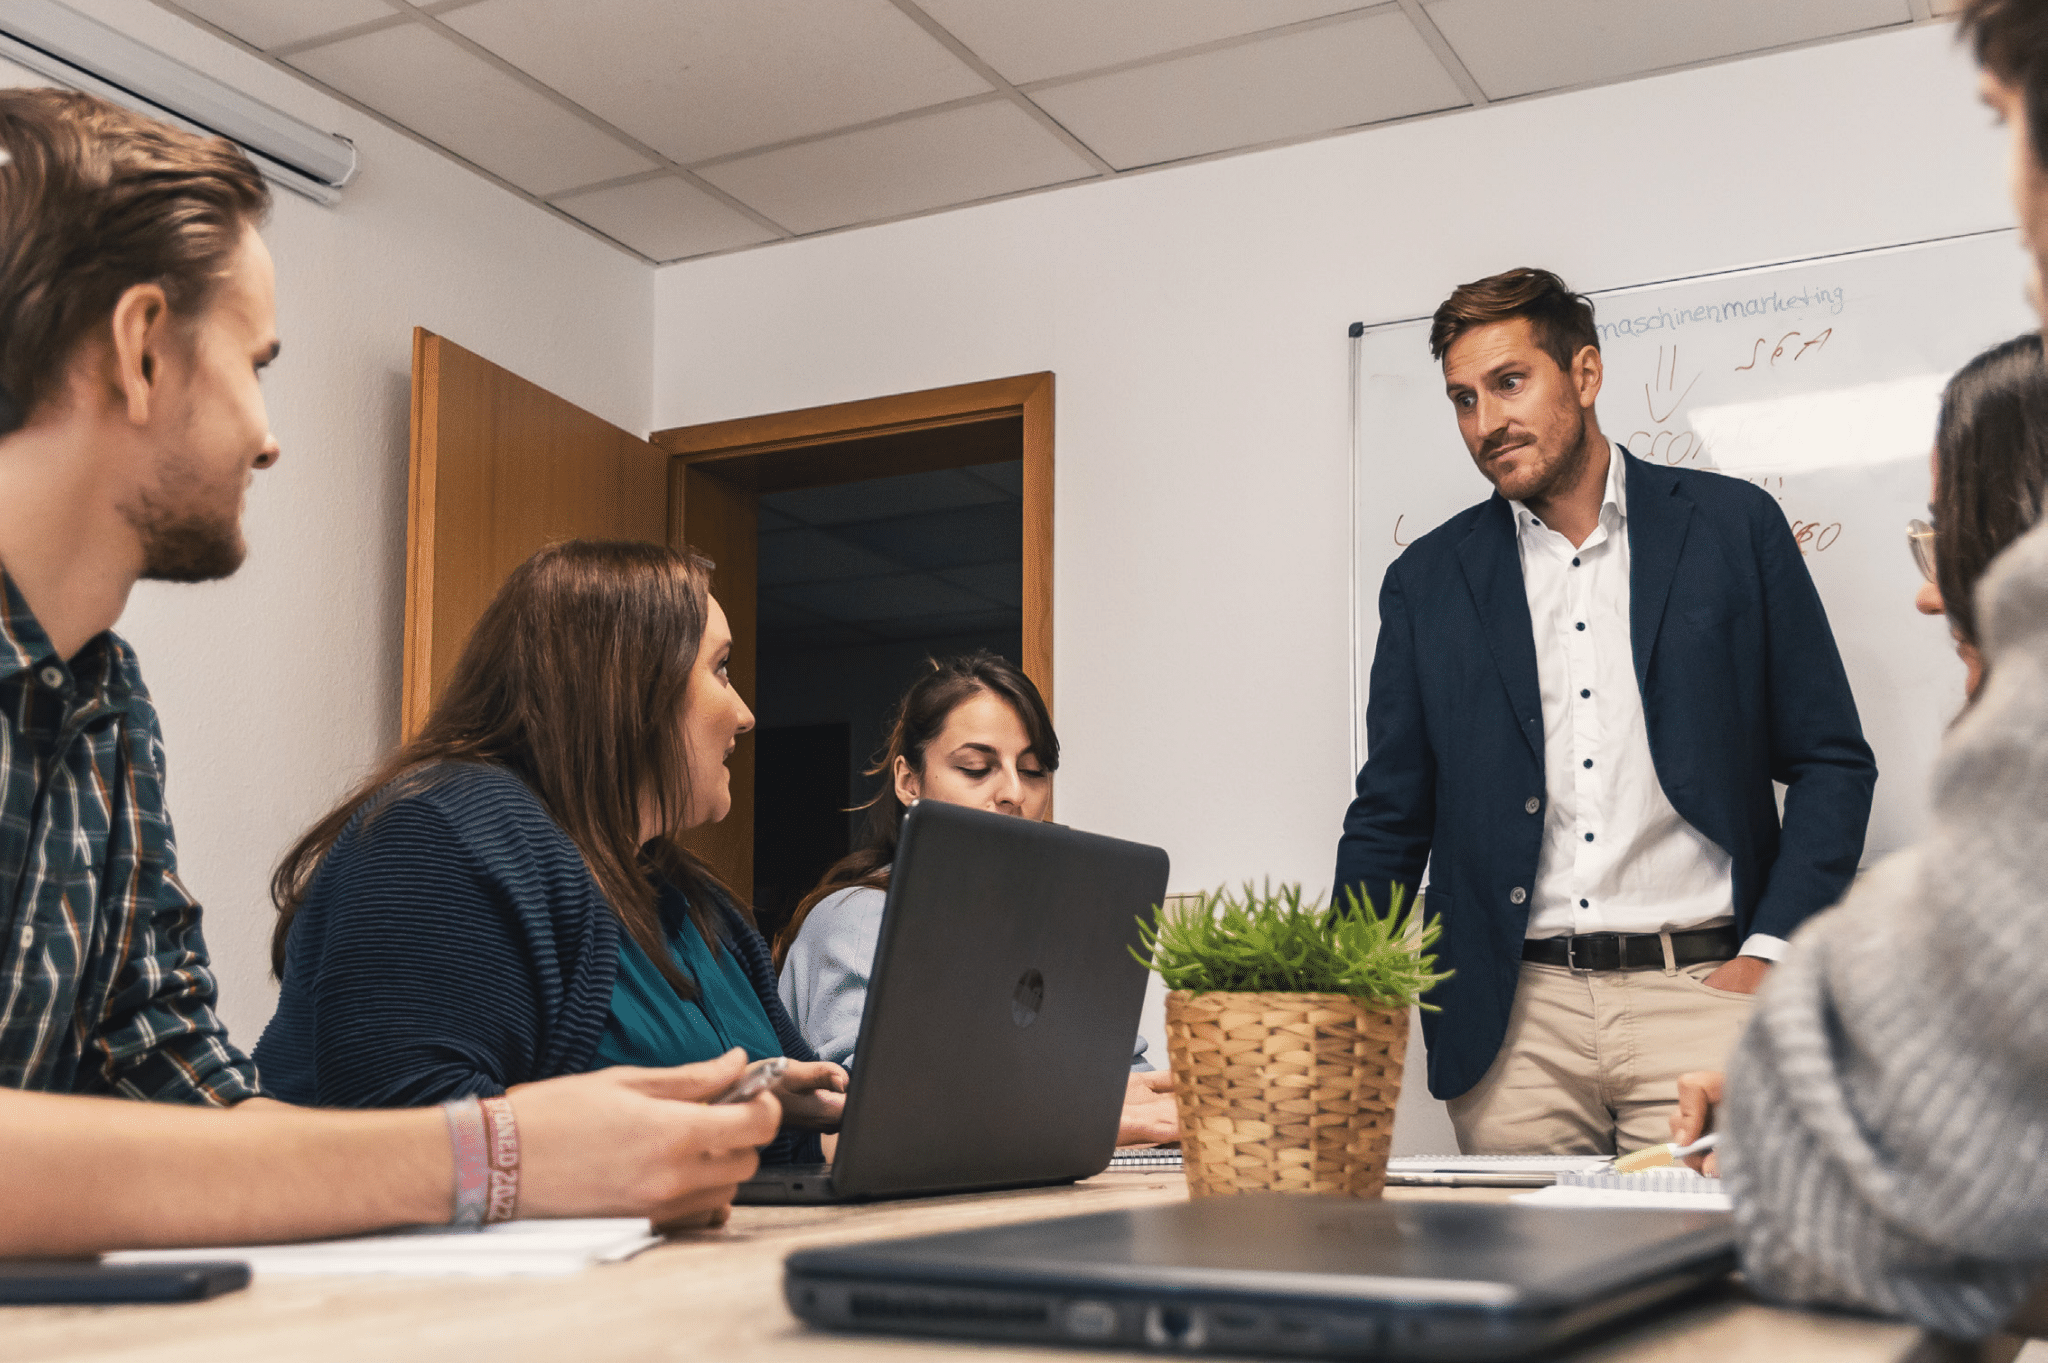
point(1298, 84)
point(701, 78)
point(1045, 38)
point(420, 79)
point(1002, 583)
point(1517, 47)
point(807, 555)
point(874, 499)
point(273, 23)
point(806, 639)
point(772, 613)
point(861, 600)
point(664, 219)
point(945, 539)
point(945, 630)
point(932, 161)
point(1008, 476)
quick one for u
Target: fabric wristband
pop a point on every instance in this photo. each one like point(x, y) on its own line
point(502, 1130)
point(472, 1162)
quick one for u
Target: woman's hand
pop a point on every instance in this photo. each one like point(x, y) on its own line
point(1699, 1093)
point(1150, 1117)
point(813, 1094)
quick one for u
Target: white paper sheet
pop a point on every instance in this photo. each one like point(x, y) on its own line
point(516, 1248)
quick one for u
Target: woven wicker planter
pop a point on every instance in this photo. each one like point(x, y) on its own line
point(1289, 1093)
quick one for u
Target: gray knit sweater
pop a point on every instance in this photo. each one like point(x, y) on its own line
point(1887, 1110)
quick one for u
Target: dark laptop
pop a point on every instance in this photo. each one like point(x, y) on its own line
point(996, 1042)
point(1276, 1275)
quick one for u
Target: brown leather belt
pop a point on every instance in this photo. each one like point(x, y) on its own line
point(1632, 950)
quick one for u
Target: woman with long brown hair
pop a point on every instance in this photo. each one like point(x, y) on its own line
point(507, 897)
point(974, 731)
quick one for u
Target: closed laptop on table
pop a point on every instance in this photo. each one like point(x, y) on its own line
point(1275, 1275)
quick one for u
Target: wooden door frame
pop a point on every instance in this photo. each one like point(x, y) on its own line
point(731, 463)
point(879, 437)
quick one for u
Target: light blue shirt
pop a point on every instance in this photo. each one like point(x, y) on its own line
point(824, 982)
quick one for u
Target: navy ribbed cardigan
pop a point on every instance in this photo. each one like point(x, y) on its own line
point(453, 942)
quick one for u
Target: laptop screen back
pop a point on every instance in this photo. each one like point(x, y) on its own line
point(997, 1035)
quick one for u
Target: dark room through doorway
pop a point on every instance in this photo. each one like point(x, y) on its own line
point(861, 584)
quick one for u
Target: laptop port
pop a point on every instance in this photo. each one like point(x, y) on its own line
point(1174, 1327)
point(1091, 1320)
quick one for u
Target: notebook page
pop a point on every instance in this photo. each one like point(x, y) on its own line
point(513, 1249)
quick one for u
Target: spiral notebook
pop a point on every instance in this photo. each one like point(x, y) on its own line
point(1676, 1189)
point(1488, 1171)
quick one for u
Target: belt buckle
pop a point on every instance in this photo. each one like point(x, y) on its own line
point(1571, 960)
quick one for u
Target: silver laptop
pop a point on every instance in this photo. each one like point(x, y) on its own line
point(996, 1041)
point(1276, 1275)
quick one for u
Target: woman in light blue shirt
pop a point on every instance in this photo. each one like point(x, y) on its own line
point(972, 731)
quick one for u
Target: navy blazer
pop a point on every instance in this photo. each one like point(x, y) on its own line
point(1741, 686)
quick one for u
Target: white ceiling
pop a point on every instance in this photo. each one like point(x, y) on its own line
point(682, 128)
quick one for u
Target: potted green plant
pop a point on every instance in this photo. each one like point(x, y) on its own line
point(1286, 1026)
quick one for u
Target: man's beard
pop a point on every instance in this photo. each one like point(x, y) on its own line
point(1569, 463)
point(184, 540)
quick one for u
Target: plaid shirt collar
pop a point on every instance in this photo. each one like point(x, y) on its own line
point(95, 670)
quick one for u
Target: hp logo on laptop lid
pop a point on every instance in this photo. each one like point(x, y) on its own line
point(1028, 998)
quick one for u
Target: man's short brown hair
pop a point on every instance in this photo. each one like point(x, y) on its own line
point(1561, 319)
point(95, 200)
point(2010, 38)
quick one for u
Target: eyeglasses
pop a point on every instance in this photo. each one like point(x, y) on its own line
point(1920, 540)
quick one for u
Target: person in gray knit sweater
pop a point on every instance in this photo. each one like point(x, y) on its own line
point(1886, 1110)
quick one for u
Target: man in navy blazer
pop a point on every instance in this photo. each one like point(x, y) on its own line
point(1583, 691)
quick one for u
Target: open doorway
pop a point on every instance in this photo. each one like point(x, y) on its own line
point(861, 583)
point(853, 541)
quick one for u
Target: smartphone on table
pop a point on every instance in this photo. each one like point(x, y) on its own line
point(87, 1282)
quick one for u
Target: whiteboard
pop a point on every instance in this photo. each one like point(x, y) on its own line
point(1818, 380)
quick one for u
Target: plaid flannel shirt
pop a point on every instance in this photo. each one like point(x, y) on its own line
point(104, 980)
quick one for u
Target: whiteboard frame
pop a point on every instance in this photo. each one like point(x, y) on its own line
point(1360, 330)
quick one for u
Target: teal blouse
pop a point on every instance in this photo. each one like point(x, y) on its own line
point(650, 1025)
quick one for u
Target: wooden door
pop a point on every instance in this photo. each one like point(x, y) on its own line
point(722, 521)
point(723, 467)
point(501, 468)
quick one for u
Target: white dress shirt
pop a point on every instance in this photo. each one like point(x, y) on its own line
point(1616, 856)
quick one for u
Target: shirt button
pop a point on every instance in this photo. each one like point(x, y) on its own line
point(52, 678)
point(1575, 563)
point(1589, 764)
point(1518, 895)
point(1580, 625)
point(1585, 695)
point(1583, 904)
point(1532, 804)
point(28, 936)
point(1589, 837)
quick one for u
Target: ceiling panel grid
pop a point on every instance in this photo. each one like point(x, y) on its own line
point(685, 128)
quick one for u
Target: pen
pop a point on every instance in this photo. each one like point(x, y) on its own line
point(1657, 1156)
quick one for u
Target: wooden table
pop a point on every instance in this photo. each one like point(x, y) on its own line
point(718, 1295)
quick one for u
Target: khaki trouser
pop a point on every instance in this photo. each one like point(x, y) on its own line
point(1591, 1060)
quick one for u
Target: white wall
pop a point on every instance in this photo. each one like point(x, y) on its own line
point(1195, 319)
point(279, 686)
